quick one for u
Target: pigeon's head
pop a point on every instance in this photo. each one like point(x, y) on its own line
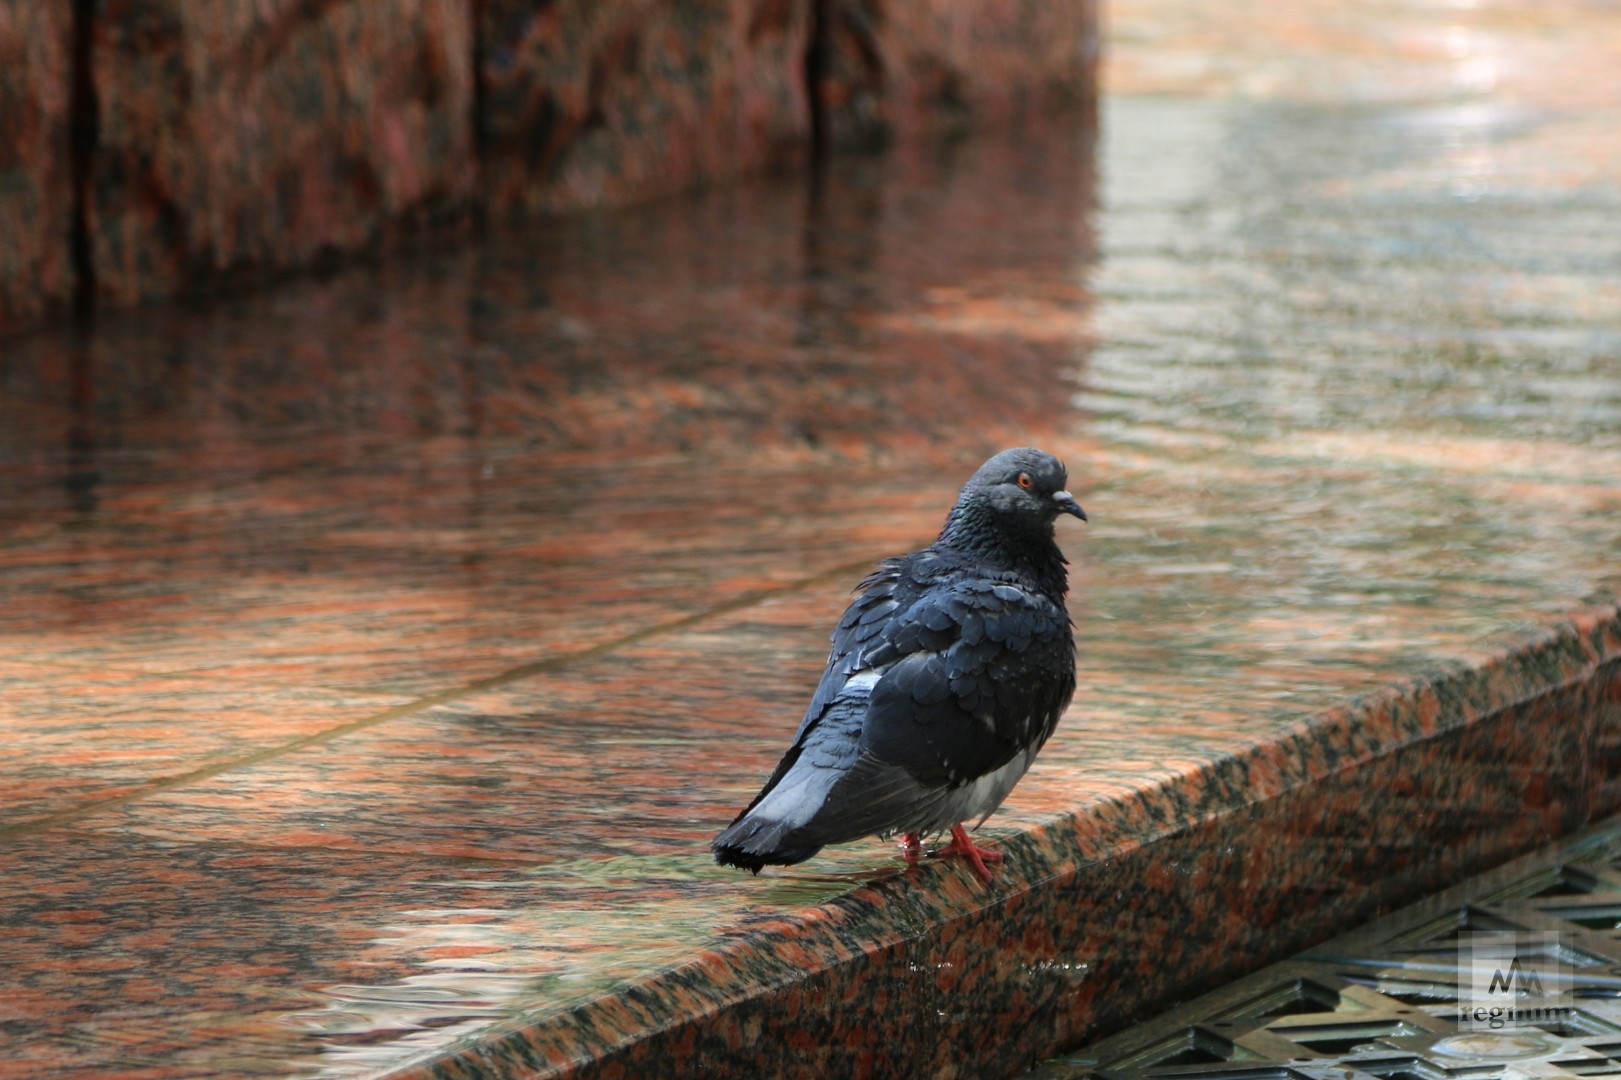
point(1023, 486)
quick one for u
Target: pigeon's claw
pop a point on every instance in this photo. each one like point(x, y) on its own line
point(977, 856)
point(911, 845)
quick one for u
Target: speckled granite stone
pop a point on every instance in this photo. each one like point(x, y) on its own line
point(589, 103)
point(891, 68)
point(240, 135)
point(236, 138)
point(36, 185)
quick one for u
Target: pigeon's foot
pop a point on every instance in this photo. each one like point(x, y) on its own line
point(911, 845)
point(977, 856)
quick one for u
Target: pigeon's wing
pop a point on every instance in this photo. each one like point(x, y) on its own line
point(982, 670)
point(976, 672)
point(858, 632)
point(937, 677)
point(859, 640)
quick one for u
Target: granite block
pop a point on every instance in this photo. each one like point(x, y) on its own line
point(592, 103)
point(242, 138)
point(903, 70)
point(37, 277)
point(243, 135)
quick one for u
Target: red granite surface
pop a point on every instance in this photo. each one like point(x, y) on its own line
point(225, 142)
point(889, 69)
point(246, 135)
point(380, 652)
point(592, 103)
point(36, 183)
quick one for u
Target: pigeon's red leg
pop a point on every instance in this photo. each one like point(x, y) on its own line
point(977, 856)
point(911, 845)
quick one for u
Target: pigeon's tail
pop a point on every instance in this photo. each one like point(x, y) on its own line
point(752, 843)
point(775, 829)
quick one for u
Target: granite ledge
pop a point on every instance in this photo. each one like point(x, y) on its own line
point(1108, 913)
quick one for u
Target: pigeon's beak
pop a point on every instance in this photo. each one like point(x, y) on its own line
point(1067, 504)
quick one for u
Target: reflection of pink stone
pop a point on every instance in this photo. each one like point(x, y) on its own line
point(36, 200)
point(244, 134)
point(614, 100)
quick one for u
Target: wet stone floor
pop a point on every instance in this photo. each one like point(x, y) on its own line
point(379, 652)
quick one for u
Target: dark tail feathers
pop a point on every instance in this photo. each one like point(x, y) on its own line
point(751, 844)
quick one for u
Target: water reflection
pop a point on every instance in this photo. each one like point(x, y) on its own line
point(743, 320)
point(82, 476)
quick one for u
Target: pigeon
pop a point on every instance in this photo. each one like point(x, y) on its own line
point(949, 671)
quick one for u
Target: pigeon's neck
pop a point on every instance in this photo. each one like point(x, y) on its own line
point(1030, 552)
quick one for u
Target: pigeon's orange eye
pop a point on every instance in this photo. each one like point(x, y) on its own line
point(1025, 481)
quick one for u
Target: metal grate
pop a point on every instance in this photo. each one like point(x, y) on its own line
point(1383, 1000)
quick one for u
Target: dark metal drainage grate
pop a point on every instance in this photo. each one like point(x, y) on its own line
point(1385, 1001)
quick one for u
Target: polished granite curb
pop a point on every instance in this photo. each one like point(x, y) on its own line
point(1131, 902)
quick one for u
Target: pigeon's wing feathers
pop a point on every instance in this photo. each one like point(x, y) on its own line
point(775, 823)
point(870, 796)
point(885, 590)
point(858, 638)
point(969, 688)
point(975, 685)
point(949, 679)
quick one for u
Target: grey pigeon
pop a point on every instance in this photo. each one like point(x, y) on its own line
point(948, 673)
